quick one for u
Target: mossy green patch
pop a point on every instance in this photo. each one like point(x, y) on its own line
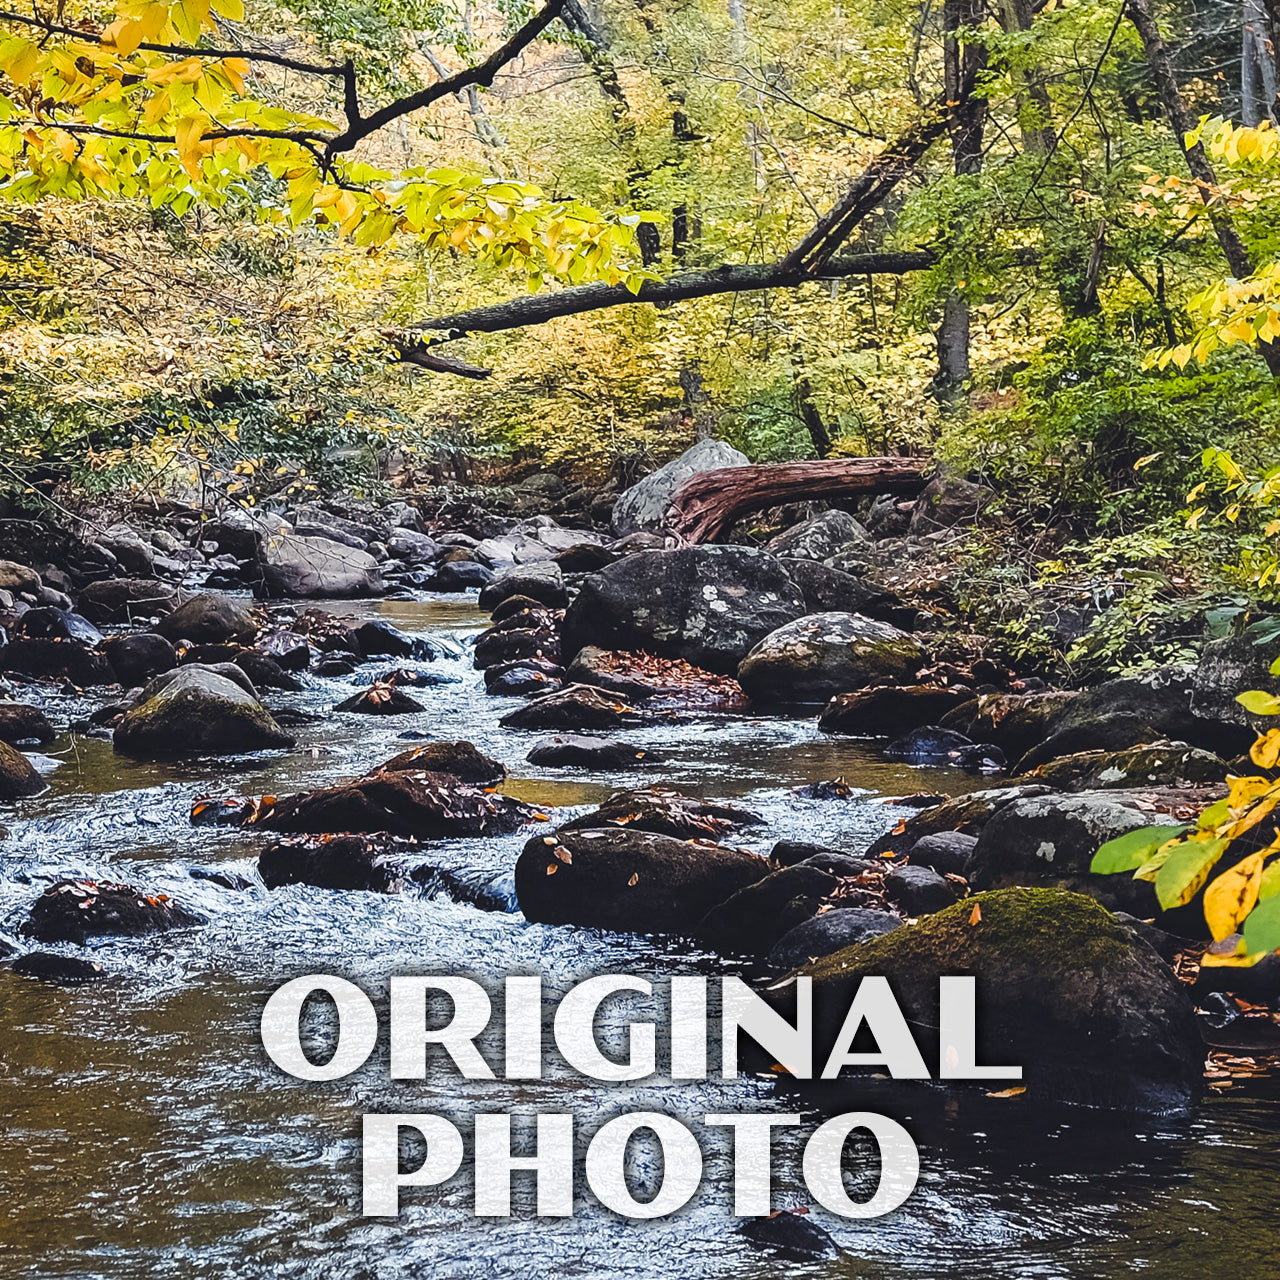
point(1052, 928)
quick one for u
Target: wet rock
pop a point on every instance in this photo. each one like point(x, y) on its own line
point(1050, 840)
point(936, 747)
point(969, 813)
point(48, 623)
point(667, 812)
point(18, 578)
point(114, 600)
point(829, 931)
point(750, 921)
point(889, 710)
point(793, 1236)
point(946, 502)
point(133, 554)
point(1227, 668)
point(460, 575)
point(574, 707)
point(290, 650)
point(208, 619)
point(223, 879)
point(1159, 764)
point(1090, 1013)
point(381, 700)
point(452, 759)
point(540, 580)
point(1015, 722)
point(19, 779)
point(62, 971)
point(22, 723)
point(224, 811)
point(516, 680)
point(56, 660)
point(1133, 711)
point(308, 568)
point(814, 658)
point(662, 681)
point(947, 852)
point(918, 890)
point(708, 605)
point(581, 751)
point(627, 879)
point(227, 670)
point(644, 505)
point(402, 803)
point(513, 605)
point(786, 853)
point(336, 665)
point(495, 647)
point(77, 910)
point(831, 789)
point(198, 712)
point(377, 638)
point(585, 557)
point(819, 538)
point(413, 547)
point(536, 619)
point(330, 862)
point(407, 677)
point(134, 659)
point(265, 672)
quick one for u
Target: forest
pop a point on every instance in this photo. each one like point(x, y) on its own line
point(664, 486)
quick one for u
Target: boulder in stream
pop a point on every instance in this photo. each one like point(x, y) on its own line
point(22, 723)
point(210, 618)
point(311, 568)
point(708, 605)
point(829, 931)
point(582, 751)
point(330, 862)
point(451, 759)
point(1065, 991)
point(198, 712)
point(816, 657)
point(77, 910)
point(381, 700)
point(667, 812)
point(19, 779)
point(628, 880)
point(401, 802)
point(644, 505)
point(577, 706)
point(136, 658)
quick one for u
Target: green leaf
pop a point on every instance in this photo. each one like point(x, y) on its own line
point(1259, 703)
point(1131, 850)
point(1262, 928)
point(1269, 886)
point(1186, 870)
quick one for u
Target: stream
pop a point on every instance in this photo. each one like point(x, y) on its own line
point(146, 1134)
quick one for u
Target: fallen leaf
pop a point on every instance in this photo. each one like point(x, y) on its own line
point(1016, 1091)
point(975, 916)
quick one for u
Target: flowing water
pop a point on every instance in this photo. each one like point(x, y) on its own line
point(146, 1134)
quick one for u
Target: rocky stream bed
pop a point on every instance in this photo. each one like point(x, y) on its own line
point(570, 751)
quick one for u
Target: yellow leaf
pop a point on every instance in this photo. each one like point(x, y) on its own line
point(1232, 896)
point(1266, 751)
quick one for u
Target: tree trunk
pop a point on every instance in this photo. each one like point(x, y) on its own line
point(1233, 247)
point(961, 64)
point(1257, 65)
point(706, 505)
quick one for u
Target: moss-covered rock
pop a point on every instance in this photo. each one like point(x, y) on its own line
point(1158, 764)
point(197, 712)
point(816, 657)
point(1065, 990)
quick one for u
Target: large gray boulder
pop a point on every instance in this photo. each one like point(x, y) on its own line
point(1228, 668)
point(819, 538)
point(813, 658)
point(1049, 841)
point(313, 568)
point(707, 605)
point(196, 712)
point(644, 505)
point(209, 618)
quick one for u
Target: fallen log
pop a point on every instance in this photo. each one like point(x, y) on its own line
point(706, 505)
